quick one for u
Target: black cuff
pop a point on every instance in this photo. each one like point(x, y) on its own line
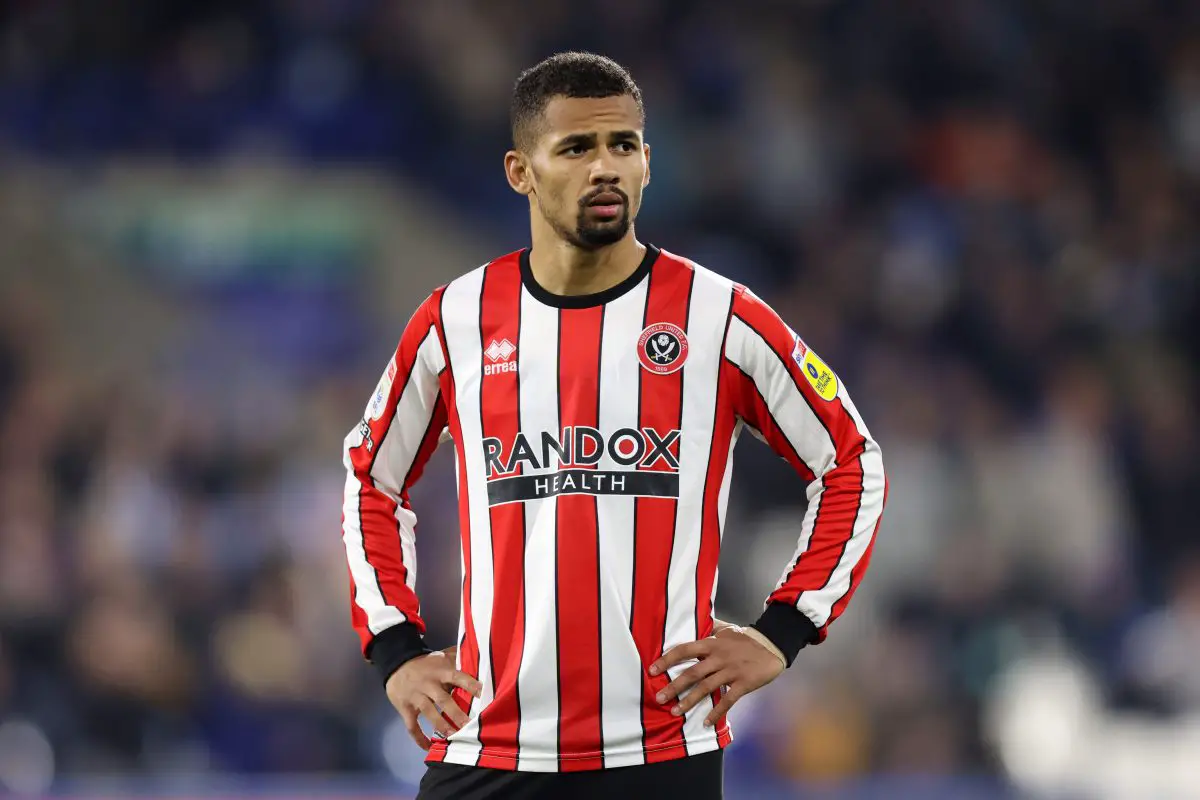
point(394, 646)
point(787, 628)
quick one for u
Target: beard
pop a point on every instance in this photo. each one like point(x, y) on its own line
point(590, 233)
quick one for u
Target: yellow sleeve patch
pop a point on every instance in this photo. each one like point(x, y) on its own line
point(819, 375)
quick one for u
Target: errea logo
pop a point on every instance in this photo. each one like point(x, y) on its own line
point(500, 353)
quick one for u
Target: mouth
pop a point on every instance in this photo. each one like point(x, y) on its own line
point(606, 204)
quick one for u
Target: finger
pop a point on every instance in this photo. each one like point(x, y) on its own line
point(429, 711)
point(680, 653)
point(722, 708)
point(450, 707)
point(704, 689)
point(414, 730)
point(465, 682)
point(687, 679)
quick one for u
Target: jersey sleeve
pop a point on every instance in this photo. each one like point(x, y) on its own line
point(794, 402)
point(384, 456)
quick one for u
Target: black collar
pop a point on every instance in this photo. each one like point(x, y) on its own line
point(585, 300)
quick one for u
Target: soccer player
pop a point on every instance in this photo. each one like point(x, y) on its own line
point(594, 387)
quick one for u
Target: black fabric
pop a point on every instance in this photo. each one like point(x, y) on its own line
point(393, 647)
point(694, 777)
point(787, 628)
point(586, 300)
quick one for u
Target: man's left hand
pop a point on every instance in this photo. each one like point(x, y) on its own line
point(728, 658)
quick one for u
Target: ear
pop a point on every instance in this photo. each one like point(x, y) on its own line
point(518, 172)
point(646, 153)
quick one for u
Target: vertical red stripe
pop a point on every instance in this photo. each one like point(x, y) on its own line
point(724, 420)
point(468, 648)
point(429, 443)
point(661, 408)
point(746, 398)
point(843, 486)
point(500, 399)
point(577, 562)
point(358, 617)
point(840, 501)
point(376, 510)
point(856, 573)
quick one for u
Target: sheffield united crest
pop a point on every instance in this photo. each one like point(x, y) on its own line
point(662, 348)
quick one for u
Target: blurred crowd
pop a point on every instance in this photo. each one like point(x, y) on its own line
point(981, 213)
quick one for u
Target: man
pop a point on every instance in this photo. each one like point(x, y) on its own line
point(594, 388)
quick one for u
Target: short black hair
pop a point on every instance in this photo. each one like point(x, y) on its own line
point(570, 74)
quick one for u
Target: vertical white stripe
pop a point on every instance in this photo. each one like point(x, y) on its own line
point(818, 604)
point(795, 418)
point(366, 590)
point(408, 551)
point(399, 448)
point(462, 571)
point(706, 327)
point(813, 445)
point(723, 501)
point(621, 678)
point(414, 408)
point(537, 679)
point(723, 495)
point(460, 321)
point(397, 451)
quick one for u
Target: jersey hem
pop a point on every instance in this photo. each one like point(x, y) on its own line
point(546, 762)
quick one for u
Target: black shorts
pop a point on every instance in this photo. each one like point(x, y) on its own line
point(694, 777)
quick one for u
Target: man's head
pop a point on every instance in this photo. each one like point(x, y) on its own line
point(578, 149)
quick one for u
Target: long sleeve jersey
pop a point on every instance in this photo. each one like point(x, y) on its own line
point(594, 440)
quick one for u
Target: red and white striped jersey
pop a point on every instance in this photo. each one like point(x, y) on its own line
point(594, 438)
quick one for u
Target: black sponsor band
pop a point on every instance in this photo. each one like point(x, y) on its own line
point(582, 481)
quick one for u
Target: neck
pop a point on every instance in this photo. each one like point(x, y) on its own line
point(562, 268)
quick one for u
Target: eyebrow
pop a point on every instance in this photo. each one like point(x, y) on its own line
point(589, 139)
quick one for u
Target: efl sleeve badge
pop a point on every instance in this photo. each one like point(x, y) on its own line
point(818, 374)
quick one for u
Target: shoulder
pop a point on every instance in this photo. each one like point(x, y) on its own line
point(700, 275)
point(461, 296)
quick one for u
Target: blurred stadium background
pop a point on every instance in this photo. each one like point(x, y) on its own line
point(216, 217)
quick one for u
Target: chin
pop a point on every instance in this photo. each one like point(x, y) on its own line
point(596, 236)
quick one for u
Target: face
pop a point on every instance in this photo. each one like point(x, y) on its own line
point(587, 170)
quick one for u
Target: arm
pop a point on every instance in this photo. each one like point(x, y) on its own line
point(384, 455)
point(794, 402)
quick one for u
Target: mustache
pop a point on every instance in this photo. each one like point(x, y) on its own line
point(587, 200)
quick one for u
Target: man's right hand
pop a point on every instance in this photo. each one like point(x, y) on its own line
point(422, 686)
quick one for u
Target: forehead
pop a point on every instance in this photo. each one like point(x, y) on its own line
point(570, 115)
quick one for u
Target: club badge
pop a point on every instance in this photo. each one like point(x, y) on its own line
point(662, 348)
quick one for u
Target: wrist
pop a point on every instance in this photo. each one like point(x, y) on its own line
point(394, 647)
point(787, 628)
point(757, 636)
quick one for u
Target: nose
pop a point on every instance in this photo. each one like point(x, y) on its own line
point(604, 171)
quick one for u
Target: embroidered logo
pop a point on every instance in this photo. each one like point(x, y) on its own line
point(500, 353)
point(662, 348)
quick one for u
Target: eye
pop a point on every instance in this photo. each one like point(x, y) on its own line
point(575, 150)
point(625, 147)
